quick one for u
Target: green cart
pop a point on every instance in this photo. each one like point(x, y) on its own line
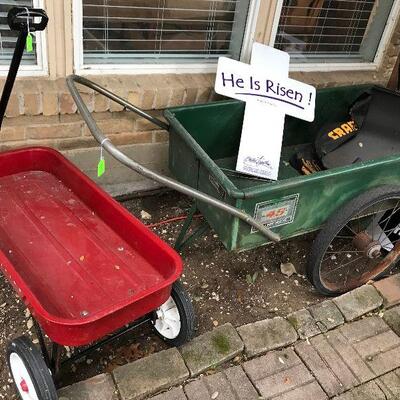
point(357, 207)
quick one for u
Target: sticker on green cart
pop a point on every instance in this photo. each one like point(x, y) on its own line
point(277, 212)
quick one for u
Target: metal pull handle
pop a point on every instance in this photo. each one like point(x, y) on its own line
point(131, 107)
point(18, 18)
point(142, 170)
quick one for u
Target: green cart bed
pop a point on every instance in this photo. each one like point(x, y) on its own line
point(203, 150)
point(358, 206)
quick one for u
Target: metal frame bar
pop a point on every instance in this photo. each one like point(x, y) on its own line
point(135, 166)
point(42, 343)
point(53, 359)
point(109, 339)
point(183, 240)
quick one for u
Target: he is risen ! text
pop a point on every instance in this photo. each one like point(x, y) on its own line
point(268, 86)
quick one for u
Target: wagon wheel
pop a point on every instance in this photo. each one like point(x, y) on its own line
point(359, 242)
point(29, 371)
point(174, 321)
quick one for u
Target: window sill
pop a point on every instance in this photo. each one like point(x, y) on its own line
point(331, 67)
point(140, 69)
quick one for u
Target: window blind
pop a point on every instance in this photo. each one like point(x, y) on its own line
point(126, 31)
point(9, 38)
point(332, 30)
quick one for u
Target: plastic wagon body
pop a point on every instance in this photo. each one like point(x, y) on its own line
point(204, 143)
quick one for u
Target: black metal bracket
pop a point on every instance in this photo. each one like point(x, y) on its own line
point(184, 239)
point(53, 358)
point(42, 344)
point(109, 339)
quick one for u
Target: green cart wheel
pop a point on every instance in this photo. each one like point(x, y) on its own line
point(359, 242)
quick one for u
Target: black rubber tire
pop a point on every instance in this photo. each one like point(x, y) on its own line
point(187, 315)
point(334, 225)
point(35, 365)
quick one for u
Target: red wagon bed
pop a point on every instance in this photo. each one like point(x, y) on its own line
point(83, 264)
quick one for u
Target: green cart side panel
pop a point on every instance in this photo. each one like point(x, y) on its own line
point(204, 143)
point(319, 195)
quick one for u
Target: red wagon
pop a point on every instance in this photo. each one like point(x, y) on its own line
point(83, 264)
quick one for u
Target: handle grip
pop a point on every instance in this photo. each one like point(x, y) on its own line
point(18, 19)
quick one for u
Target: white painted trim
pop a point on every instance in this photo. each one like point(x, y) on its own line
point(330, 67)
point(274, 30)
point(388, 32)
point(141, 69)
point(43, 62)
point(148, 68)
point(250, 31)
point(42, 67)
point(77, 20)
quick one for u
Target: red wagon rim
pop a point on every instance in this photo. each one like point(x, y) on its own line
point(32, 301)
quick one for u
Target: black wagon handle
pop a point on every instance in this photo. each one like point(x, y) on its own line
point(18, 18)
point(22, 20)
point(142, 170)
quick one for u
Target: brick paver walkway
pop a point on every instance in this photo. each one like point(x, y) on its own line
point(347, 348)
point(359, 360)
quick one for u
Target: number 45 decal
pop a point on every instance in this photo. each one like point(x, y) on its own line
point(277, 212)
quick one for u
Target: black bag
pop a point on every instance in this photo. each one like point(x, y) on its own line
point(334, 135)
point(376, 134)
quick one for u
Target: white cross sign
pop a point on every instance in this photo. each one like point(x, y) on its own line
point(269, 95)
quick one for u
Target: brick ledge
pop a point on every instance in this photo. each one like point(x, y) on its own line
point(42, 96)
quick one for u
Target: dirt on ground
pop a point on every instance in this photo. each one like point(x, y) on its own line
point(224, 286)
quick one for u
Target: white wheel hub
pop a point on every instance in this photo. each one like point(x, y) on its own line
point(168, 321)
point(22, 378)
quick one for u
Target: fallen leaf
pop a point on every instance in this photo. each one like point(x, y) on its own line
point(145, 215)
point(214, 395)
point(288, 269)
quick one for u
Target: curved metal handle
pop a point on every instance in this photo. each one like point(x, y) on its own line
point(18, 19)
point(112, 96)
point(124, 159)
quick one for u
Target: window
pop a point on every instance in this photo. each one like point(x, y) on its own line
point(332, 31)
point(115, 32)
point(32, 63)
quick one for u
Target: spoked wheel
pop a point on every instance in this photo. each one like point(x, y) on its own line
point(29, 371)
point(174, 321)
point(359, 242)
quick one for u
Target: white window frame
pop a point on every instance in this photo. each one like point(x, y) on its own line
point(358, 66)
point(137, 68)
point(41, 68)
